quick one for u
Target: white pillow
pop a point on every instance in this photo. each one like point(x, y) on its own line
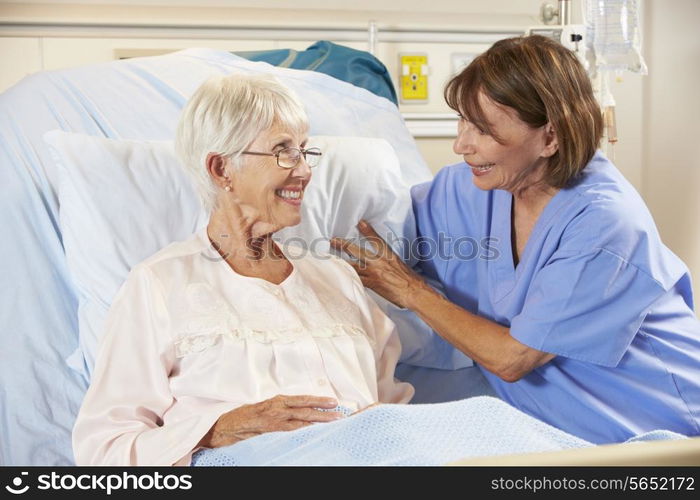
point(122, 201)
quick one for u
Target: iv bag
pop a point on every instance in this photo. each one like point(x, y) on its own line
point(612, 29)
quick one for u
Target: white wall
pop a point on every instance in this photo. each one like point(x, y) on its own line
point(99, 31)
point(671, 148)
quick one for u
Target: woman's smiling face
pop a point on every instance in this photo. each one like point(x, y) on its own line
point(273, 192)
point(512, 158)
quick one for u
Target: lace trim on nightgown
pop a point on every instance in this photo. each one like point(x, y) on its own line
point(199, 342)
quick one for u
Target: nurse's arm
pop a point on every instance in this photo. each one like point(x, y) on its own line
point(483, 340)
point(486, 342)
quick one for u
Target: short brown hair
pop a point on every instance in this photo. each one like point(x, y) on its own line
point(544, 82)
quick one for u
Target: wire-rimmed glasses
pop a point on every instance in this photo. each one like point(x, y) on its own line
point(289, 157)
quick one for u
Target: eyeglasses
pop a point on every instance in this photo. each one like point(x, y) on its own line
point(289, 157)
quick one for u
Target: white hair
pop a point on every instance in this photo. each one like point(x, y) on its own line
point(225, 115)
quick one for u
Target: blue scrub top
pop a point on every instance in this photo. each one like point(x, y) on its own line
point(595, 286)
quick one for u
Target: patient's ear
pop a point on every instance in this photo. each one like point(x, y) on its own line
point(216, 166)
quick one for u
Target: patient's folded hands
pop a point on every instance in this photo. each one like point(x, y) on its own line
point(280, 413)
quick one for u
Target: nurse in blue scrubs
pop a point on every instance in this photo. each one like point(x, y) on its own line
point(556, 281)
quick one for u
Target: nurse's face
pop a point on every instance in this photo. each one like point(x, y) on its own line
point(514, 162)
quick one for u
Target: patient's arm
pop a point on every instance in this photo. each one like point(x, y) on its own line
point(123, 420)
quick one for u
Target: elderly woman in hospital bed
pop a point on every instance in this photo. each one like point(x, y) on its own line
point(574, 309)
point(226, 335)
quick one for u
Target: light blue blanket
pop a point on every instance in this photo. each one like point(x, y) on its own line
point(429, 434)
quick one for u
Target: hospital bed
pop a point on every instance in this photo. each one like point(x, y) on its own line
point(79, 207)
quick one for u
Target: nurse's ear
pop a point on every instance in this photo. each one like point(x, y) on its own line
point(551, 141)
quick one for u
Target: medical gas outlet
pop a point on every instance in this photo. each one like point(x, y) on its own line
point(414, 78)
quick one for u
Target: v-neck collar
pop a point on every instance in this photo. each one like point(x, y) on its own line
point(503, 270)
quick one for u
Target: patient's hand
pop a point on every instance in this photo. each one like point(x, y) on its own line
point(382, 270)
point(281, 413)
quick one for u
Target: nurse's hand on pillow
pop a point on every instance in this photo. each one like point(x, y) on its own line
point(382, 270)
point(281, 413)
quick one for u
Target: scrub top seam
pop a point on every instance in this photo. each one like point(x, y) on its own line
point(634, 266)
point(618, 256)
